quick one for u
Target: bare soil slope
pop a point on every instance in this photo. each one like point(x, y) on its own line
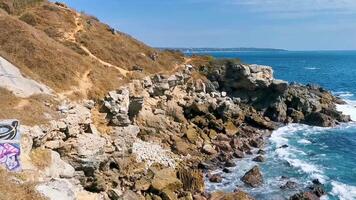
point(64, 49)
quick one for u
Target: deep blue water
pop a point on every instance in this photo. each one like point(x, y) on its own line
point(328, 154)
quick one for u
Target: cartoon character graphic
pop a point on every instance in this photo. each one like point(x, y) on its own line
point(10, 145)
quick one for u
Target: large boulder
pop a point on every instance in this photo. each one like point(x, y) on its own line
point(319, 119)
point(166, 179)
point(253, 177)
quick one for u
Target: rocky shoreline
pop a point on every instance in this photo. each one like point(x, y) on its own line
point(161, 135)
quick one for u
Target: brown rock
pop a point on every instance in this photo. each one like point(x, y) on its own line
point(319, 119)
point(130, 195)
point(182, 147)
point(212, 134)
point(215, 178)
point(230, 128)
point(259, 159)
point(208, 149)
point(142, 184)
point(253, 177)
point(239, 195)
point(289, 185)
point(304, 196)
point(193, 180)
point(238, 154)
point(192, 135)
point(257, 142)
point(166, 179)
point(230, 163)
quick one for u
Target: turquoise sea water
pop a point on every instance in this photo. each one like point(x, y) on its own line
point(328, 154)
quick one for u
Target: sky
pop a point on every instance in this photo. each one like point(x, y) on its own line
point(286, 24)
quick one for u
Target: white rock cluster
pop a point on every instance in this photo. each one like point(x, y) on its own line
point(152, 153)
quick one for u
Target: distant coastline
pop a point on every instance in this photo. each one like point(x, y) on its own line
point(240, 49)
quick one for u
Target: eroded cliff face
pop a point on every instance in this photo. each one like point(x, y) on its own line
point(159, 135)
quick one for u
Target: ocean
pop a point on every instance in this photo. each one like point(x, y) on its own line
point(328, 154)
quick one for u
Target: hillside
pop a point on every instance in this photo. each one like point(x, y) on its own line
point(72, 53)
point(58, 46)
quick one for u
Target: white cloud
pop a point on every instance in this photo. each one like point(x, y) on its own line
point(298, 7)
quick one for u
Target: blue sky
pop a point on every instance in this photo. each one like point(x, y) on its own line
point(288, 24)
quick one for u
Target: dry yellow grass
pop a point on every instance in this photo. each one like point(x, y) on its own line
point(29, 111)
point(11, 189)
point(41, 158)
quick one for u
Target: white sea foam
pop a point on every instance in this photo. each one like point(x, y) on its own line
point(311, 68)
point(343, 191)
point(290, 153)
point(343, 94)
point(304, 141)
point(348, 109)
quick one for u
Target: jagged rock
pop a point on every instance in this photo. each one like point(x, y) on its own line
point(296, 115)
point(304, 196)
point(216, 178)
point(166, 179)
point(230, 163)
point(143, 184)
point(130, 195)
point(239, 195)
point(230, 129)
point(200, 86)
point(57, 190)
point(289, 185)
point(279, 85)
point(257, 142)
point(118, 102)
point(192, 135)
point(238, 154)
point(208, 149)
point(58, 168)
point(277, 112)
point(124, 137)
point(86, 150)
point(319, 119)
point(259, 159)
point(62, 189)
point(192, 180)
point(253, 177)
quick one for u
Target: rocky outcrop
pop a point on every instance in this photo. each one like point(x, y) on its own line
point(253, 177)
point(166, 131)
point(276, 99)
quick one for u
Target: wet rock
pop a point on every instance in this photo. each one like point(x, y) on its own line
point(216, 178)
point(283, 146)
point(304, 196)
point(230, 163)
point(289, 185)
point(261, 152)
point(238, 154)
point(259, 159)
point(253, 177)
point(319, 119)
point(257, 142)
point(227, 170)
